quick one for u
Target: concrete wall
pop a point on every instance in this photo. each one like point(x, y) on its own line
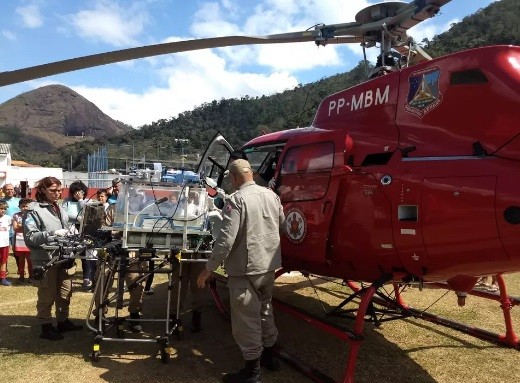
point(70, 177)
point(15, 174)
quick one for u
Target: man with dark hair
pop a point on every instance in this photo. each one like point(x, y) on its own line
point(74, 206)
point(249, 245)
point(11, 199)
point(114, 190)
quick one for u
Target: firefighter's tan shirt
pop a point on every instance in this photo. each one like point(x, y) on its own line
point(249, 242)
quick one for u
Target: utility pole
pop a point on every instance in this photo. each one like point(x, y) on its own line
point(182, 141)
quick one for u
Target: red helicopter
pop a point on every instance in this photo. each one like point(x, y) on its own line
point(382, 187)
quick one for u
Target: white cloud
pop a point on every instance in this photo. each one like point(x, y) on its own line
point(31, 16)
point(186, 91)
point(110, 23)
point(428, 29)
point(190, 79)
point(297, 57)
point(272, 17)
point(8, 34)
point(212, 20)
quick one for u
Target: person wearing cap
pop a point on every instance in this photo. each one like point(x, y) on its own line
point(249, 246)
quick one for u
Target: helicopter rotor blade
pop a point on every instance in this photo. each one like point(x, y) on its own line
point(44, 70)
point(394, 17)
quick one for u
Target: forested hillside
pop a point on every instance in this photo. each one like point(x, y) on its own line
point(497, 24)
point(242, 119)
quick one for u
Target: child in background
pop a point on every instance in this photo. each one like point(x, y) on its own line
point(5, 225)
point(20, 249)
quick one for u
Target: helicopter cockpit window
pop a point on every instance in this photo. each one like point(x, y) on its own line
point(263, 161)
point(305, 172)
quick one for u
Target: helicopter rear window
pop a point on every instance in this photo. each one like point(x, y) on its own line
point(305, 172)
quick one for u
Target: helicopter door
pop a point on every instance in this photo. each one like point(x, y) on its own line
point(307, 189)
point(215, 159)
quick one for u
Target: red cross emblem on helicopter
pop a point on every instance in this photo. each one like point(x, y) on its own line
point(295, 226)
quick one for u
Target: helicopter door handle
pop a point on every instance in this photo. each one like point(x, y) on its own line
point(326, 207)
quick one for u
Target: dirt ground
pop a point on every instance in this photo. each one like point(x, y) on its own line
point(399, 351)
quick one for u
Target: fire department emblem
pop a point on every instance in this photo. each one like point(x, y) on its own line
point(295, 226)
point(423, 93)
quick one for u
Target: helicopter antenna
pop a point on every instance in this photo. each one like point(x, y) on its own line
point(363, 44)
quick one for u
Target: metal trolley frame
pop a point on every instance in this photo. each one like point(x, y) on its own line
point(169, 247)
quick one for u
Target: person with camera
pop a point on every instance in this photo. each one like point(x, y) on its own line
point(43, 220)
point(74, 205)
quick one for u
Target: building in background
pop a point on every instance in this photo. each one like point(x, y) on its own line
point(21, 173)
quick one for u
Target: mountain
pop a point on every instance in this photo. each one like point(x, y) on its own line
point(51, 117)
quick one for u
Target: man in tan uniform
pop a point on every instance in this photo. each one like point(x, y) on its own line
point(249, 245)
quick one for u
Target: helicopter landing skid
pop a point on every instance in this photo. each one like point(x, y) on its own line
point(382, 307)
point(509, 339)
point(354, 336)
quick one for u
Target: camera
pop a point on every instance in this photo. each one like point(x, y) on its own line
point(39, 273)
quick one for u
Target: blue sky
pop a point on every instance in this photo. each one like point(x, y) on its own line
point(139, 92)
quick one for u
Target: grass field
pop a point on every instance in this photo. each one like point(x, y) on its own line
point(399, 351)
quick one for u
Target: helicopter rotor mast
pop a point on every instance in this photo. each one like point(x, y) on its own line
point(384, 23)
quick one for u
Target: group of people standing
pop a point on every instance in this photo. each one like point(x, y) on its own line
point(248, 244)
point(11, 234)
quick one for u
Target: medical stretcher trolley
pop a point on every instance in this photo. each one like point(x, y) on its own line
point(160, 222)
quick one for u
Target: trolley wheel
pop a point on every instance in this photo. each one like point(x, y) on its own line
point(179, 332)
point(95, 356)
point(165, 355)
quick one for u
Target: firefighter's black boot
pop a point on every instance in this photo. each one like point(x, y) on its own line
point(269, 360)
point(49, 332)
point(249, 374)
point(68, 325)
point(195, 321)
